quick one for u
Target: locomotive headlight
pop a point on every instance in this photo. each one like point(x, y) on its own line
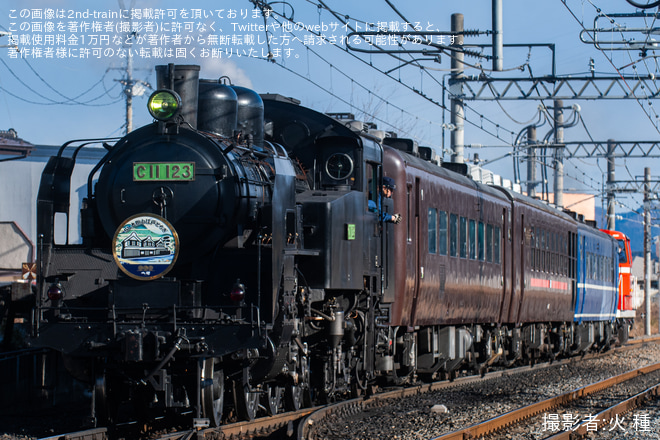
point(164, 104)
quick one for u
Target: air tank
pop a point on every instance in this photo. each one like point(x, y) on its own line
point(184, 80)
point(218, 107)
point(250, 114)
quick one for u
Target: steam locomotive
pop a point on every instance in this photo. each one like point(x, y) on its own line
point(230, 265)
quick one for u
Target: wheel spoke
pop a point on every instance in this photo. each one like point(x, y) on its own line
point(294, 397)
point(272, 399)
point(247, 401)
point(213, 390)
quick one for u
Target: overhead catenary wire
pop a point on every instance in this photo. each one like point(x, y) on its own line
point(343, 19)
point(425, 70)
point(50, 101)
point(609, 59)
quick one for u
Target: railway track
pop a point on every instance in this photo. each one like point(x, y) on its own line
point(301, 424)
point(306, 429)
point(260, 427)
point(594, 400)
point(343, 410)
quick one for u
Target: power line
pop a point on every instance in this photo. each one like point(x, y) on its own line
point(612, 62)
point(342, 18)
point(50, 101)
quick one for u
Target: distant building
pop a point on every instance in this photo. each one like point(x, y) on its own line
point(21, 164)
point(12, 146)
point(638, 272)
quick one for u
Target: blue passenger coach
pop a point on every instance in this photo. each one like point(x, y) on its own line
point(596, 293)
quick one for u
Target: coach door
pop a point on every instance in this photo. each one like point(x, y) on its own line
point(380, 246)
point(414, 244)
point(572, 265)
point(519, 245)
point(506, 267)
point(581, 278)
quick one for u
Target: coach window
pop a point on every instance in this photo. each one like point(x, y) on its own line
point(557, 265)
point(623, 258)
point(453, 234)
point(489, 243)
point(473, 240)
point(549, 242)
point(433, 239)
point(539, 262)
point(553, 255)
point(546, 251)
point(531, 248)
point(537, 251)
point(480, 239)
point(497, 237)
point(542, 251)
point(409, 212)
point(442, 233)
point(562, 250)
point(596, 261)
point(463, 237)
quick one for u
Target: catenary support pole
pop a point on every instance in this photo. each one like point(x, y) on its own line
point(559, 153)
point(498, 46)
point(647, 251)
point(531, 161)
point(611, 209)
point(456, 90)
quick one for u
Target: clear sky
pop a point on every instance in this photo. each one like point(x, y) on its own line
point(65, 83)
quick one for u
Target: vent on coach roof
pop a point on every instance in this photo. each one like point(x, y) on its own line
point(460, 168)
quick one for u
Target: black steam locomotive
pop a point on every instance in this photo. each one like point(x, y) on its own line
point(230, 264)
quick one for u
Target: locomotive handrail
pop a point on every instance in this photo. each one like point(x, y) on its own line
point(86, 142)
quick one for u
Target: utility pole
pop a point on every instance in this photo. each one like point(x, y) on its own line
point(498, 46)
point(559, 153)
point(531, 161)
point(132, 87)
point(611, 212)
point(456, 87)
point(128, 90)
point(647, 251)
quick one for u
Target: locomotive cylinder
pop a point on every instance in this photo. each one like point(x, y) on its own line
point(184, 80)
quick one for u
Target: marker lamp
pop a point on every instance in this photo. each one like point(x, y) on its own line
point(164, 104)
point(237, 292)
point(55, 292)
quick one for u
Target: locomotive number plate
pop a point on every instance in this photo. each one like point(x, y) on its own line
point(163, 171)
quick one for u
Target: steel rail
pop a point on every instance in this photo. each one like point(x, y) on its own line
point(518, 415)
point(308, 417)
point(609, 414)
point(306, 428)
